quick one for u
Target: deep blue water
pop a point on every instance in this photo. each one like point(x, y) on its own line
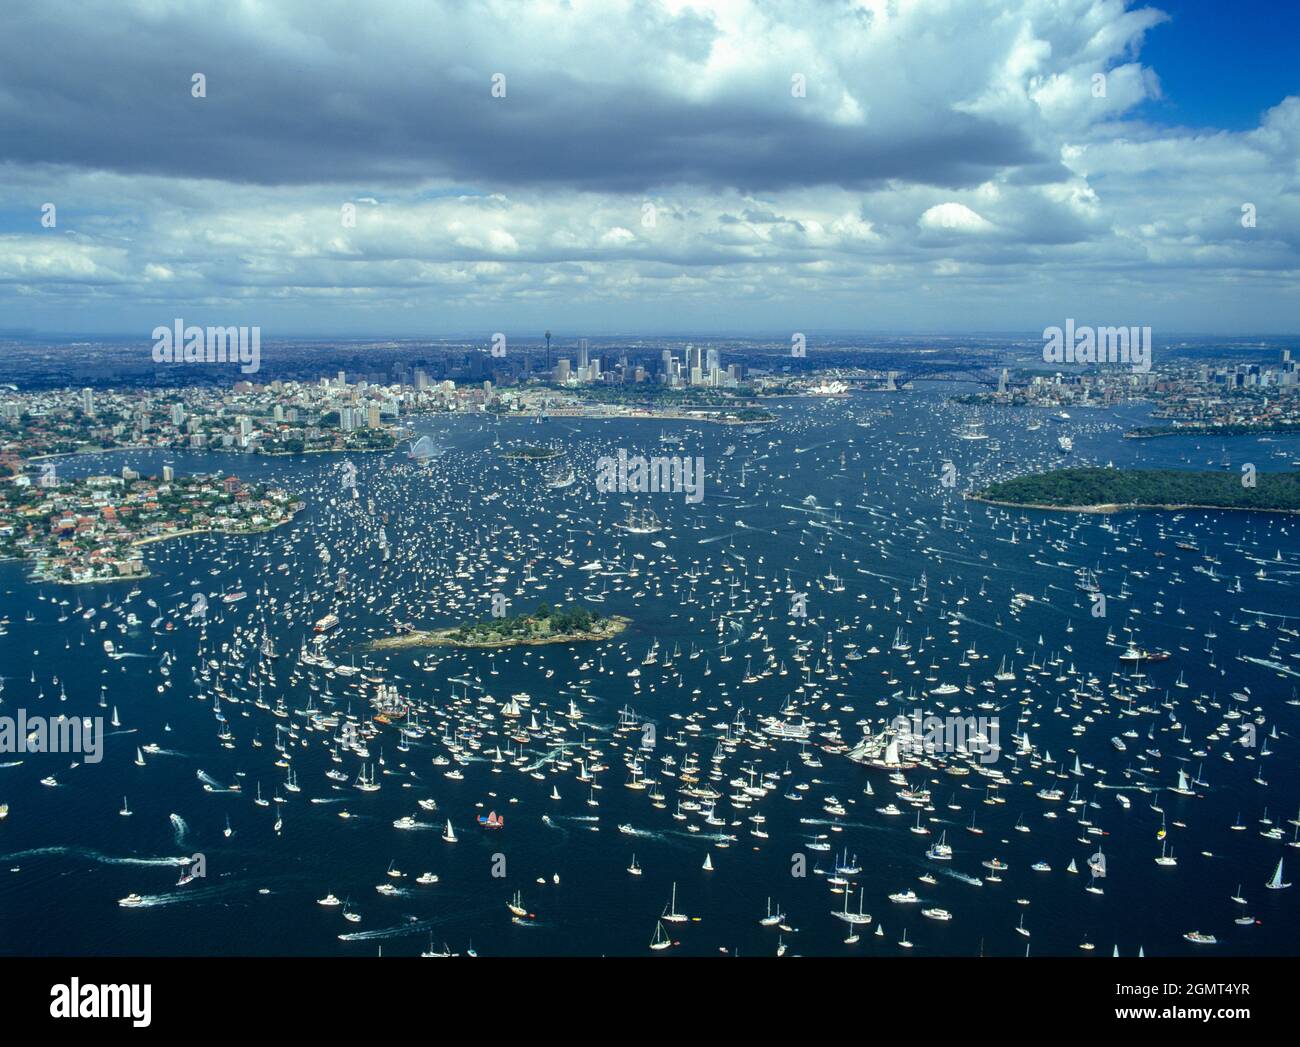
point(882, 519)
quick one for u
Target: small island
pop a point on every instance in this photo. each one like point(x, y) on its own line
point(1099, 490)
point(544, 626)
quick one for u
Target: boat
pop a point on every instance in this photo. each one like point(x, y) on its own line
point(772, 919)
point(852, 917)
point(1276, 884)
point(660, 939)
point(643, 522)
point(1139, 654)
point(327, 623)
point(130, 901)
point(670, 913)
point(1201, 939)
point(449, 834)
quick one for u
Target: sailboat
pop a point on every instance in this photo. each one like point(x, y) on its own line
point(1276, 884)
point(126, 808)
point(449, 834)
point(671, 914)
point(661, 939)
point(708, 863)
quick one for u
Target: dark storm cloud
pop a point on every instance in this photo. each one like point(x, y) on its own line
point(321, 97)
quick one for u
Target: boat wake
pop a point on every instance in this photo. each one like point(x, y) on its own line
point(92, 855)
point(180, 827)
point(407, 929)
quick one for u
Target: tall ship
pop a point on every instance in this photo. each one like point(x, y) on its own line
point(560, 478)
point(882, 751)
point(641, 522)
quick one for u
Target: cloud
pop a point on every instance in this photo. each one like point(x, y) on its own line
point(934, 146)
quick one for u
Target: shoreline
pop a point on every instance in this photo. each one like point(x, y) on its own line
point(1289, 430)
point(149, 540)
point(1127, 507)
point(211, 450)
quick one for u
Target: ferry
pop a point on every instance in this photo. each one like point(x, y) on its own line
point(327, 623)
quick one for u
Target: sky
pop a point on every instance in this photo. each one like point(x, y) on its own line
point(435, 168)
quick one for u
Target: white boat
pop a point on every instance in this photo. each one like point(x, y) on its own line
point(853, 917)
point(671, 914)
point(1276, 884)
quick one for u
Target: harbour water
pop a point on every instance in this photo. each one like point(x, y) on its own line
point(842, 501)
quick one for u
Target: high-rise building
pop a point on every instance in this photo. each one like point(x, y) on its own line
point(88, 402)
